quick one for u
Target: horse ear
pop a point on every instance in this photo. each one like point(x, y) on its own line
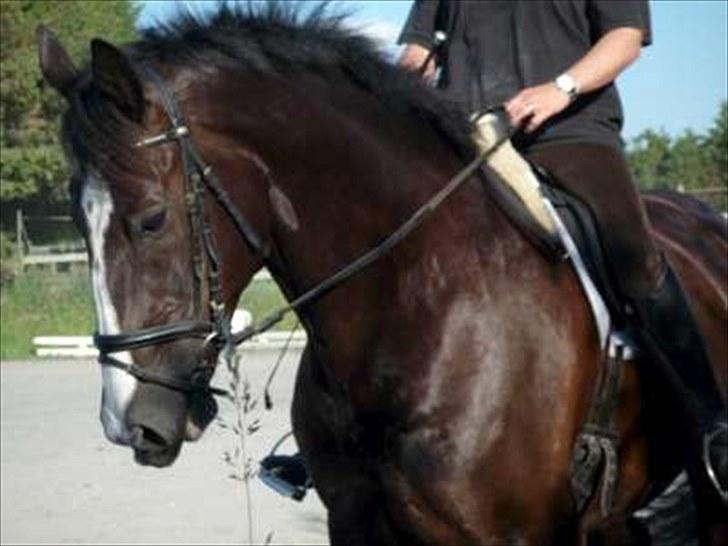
point(55, 64)
point(114, 75)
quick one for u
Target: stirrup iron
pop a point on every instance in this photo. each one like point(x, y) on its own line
point(271, 475)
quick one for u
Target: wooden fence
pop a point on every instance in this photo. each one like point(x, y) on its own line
point(61, 256)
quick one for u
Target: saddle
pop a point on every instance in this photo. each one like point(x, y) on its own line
point(563, 227)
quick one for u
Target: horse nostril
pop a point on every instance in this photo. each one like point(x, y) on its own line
point(146, 439)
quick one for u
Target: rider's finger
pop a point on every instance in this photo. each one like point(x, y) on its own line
point(520, 113)
point(430, 69)
point(535, 122)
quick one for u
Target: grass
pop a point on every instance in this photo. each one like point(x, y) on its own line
point(262, 297)
point(40, 302)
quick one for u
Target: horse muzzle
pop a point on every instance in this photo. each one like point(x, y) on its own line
point(156, 419)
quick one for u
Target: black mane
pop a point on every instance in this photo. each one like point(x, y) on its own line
point(282, 38)
point(294, 37)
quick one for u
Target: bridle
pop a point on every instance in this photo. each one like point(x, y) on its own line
point(215, 332)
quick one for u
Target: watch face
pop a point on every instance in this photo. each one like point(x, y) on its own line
point(567, 84)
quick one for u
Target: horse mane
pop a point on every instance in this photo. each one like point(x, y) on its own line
point(291, 38)
point(280, 38)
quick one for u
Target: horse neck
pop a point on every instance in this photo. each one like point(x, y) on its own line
point(342, 174)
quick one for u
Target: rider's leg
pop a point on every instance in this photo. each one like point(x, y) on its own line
point(600, 176)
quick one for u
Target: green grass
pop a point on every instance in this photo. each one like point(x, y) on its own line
point(262, 297)
point(43, 303)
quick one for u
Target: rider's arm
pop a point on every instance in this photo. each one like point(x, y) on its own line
point(609, 57)
point(412, 58)
point(623, 27)
point(417, 34)
point(614, 52)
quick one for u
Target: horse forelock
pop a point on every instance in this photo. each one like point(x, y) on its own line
point(97, 136)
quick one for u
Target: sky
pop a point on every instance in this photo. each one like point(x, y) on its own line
point(677, 84)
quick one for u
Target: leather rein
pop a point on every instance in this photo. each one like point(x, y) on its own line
point(215, 332)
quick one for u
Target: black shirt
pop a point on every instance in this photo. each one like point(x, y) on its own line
point(495, 48)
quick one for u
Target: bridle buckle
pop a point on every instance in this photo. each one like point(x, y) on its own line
point(212, 339)
point(175, 133)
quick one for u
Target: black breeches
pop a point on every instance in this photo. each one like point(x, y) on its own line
point(599, 175)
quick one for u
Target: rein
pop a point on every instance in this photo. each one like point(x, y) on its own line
point(215, 332)
point(354, 267)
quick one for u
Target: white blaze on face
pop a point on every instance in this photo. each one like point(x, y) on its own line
point(118, 386)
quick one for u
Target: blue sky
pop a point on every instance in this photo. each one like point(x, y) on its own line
point(676, 85)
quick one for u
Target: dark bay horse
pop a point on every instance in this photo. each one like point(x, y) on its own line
point(442, 389)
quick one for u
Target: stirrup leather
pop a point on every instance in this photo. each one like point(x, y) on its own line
point(595, 462)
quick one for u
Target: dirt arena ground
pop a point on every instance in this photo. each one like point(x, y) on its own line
point(61, 482)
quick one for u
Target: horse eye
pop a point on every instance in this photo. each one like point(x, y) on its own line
point(152, 223)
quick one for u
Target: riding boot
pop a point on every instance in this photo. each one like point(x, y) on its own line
point(670, 333)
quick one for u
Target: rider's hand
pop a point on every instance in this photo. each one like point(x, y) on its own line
point(412, 58)
point(534, 105)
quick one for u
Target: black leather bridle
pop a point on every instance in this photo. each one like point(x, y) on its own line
point(215, 333)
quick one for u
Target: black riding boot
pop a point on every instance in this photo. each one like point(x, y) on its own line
point(670, 333)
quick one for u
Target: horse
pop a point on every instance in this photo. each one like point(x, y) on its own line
point(443, 386)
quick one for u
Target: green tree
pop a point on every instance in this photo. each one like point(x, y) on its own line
point(650, 157)
point(716, 144)
point(32, 171)
point(691, 162)
point(689, 166)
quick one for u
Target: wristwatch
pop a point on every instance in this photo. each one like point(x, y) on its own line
point(568, 85)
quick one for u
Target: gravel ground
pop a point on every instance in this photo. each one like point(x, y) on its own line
point(62, 482)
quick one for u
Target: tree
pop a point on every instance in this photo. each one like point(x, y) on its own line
point(716, 144)
point(32, 170)
point(650, 155)
point(689, 165)
point(690, 161)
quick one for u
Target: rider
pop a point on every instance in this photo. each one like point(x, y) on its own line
point(553, 65)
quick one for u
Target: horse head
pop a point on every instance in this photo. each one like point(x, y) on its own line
point(163, 289)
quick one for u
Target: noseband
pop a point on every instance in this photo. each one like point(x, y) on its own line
point(215, 333)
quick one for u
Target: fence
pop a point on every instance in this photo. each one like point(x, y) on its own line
point(57, 255)
point(715, 196)
point(71, 250)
